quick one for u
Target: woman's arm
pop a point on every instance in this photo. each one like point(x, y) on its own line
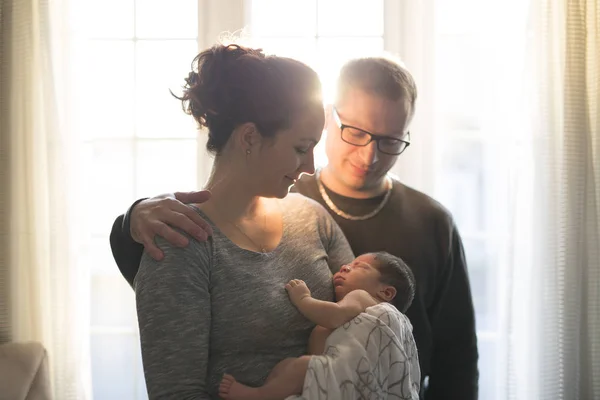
point(158, 216)
point(174, 311)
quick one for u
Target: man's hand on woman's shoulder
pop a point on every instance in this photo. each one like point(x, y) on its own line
point(161, 214)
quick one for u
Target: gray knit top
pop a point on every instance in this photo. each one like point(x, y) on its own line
point(212, 307)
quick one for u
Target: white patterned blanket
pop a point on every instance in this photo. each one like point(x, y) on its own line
point(374, 356)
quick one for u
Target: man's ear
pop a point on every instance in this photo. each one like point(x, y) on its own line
point(247, 136)
point(387, 293)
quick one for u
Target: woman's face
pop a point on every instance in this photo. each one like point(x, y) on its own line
point(282, 160)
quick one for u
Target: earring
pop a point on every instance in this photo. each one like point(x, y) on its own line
point(247, 152)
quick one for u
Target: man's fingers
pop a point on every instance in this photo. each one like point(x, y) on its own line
point(152, 249)
point(201, 229)
point(172, 236)
point(185, 218)
point(193, 197)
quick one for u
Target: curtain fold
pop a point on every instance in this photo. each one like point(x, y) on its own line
point(47, 287)
point(5, 335)
point(552, 328)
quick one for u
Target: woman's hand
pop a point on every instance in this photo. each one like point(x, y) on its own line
point(297, 290)
point(159, 215)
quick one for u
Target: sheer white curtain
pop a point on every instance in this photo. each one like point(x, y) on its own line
point(537, 113)
point(553, 287)
point(46, 291)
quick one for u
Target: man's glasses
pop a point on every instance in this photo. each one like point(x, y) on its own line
point(358, 137)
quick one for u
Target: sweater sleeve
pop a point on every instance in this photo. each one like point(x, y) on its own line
point(174, 315)
point(454, 373)
point(126, 251)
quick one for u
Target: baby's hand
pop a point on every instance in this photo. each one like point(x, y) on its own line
point(297, 290)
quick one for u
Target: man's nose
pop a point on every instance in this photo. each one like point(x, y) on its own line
point(369, 154)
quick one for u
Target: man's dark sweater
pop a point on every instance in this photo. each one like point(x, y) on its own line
point(420, 231)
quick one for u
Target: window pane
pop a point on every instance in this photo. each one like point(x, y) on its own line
point(109, 92)
point(303, 49)
point(110, 19)
point(113, 365)
point(488, 367)
point(460, 87)
point(350, 18)
point(461, 181)
point(100, 259)
point(457, 17)
point(332, 53)
point(482, 267)
point(165, 166)
point(164, 20)
point(162, 66)
point(283, 18)
point(112, 302)
point(110, 184)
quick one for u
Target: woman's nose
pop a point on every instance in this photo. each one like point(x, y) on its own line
point(308, 165)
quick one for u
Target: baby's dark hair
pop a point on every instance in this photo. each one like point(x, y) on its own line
point(396, 273)
point(231, 85)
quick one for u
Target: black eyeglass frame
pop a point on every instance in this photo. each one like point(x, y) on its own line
point(372, 137)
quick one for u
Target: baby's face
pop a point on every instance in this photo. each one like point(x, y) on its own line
point(362, 273)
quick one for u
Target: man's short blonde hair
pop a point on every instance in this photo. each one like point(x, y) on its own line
point(382, 76)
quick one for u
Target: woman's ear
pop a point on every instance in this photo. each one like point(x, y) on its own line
point(247, 136)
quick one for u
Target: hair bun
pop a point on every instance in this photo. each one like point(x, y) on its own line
point(192, 78)
point(207, 92)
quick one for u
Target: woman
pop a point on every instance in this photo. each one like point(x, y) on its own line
point(221, 306)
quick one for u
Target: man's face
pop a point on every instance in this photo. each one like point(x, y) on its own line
point(364, 168)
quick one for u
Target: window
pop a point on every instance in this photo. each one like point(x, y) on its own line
point(468, 179)
point(322, 33)
point(139, 143)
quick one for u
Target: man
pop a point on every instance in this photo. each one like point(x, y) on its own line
point(367, 129)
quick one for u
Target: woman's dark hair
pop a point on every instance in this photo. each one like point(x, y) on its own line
point(231, 85)
point(396, 273)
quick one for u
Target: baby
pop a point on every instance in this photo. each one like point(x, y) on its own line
point(372, 279)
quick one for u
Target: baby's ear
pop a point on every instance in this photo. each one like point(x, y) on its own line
point(387, 293)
